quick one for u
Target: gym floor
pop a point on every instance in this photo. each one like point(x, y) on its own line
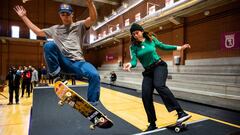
point(122, 105)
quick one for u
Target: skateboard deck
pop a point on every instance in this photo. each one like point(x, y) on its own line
point(68, 96)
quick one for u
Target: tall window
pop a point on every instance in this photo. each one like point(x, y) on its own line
point(169, 2)
point(104, 33)
point(117, 27)
point(152, 10)
point(126, 22)
point(99, 36)
point(92, 38)
point(110, 29)
point(15, 31)
point(32, 35)
point(137, 17)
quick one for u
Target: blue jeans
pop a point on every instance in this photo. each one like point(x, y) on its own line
point(56, 62)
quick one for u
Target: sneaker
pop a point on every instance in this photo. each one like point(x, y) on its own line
point(182, 116)
point(151, 127)
point(10, 103)
point(58, 78)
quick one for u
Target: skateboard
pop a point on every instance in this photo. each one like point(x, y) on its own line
point(68, 96)
point(177, 127)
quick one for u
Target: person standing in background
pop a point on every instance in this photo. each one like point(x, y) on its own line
point(13, 85)
point(26, 81)
point(34, 79)
point(44, 74)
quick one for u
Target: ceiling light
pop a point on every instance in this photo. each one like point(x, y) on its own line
point(206, 13)
point(125, 5)
point(114, 12)
point(105, 18)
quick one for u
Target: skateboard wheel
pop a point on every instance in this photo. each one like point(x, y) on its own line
point(66, 82)
point(60, 103)
point(101, 119)
point(68, 94)
point(92, 127)
point(177, 129)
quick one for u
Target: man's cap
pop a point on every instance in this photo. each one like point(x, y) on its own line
point(135, 27)
point(65, 8)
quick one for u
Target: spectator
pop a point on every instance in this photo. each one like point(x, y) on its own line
point(113, 77)
point(44, 74)
point(26, 76)
point(13, 84)
point(34, 79)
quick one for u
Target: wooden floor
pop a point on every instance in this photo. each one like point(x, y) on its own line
point(14, 119)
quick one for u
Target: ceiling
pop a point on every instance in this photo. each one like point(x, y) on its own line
point(98, 3)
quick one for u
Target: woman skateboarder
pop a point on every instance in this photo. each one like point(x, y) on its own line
point(144, 48)
point(65, 53)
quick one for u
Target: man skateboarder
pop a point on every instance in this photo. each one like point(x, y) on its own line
point(65, 53)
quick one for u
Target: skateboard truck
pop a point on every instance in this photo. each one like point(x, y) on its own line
point(180, 127)
point(67, 95)
point(96, 122)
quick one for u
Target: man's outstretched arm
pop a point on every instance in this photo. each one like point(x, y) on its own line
point(22, 13)
point(92, 14)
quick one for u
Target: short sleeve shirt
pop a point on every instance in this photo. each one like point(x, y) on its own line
point(69, 38)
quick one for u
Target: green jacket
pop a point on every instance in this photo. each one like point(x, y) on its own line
point(146, 52)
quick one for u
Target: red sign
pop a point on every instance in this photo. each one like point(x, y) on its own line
point(109, 57)
point(230, 40)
